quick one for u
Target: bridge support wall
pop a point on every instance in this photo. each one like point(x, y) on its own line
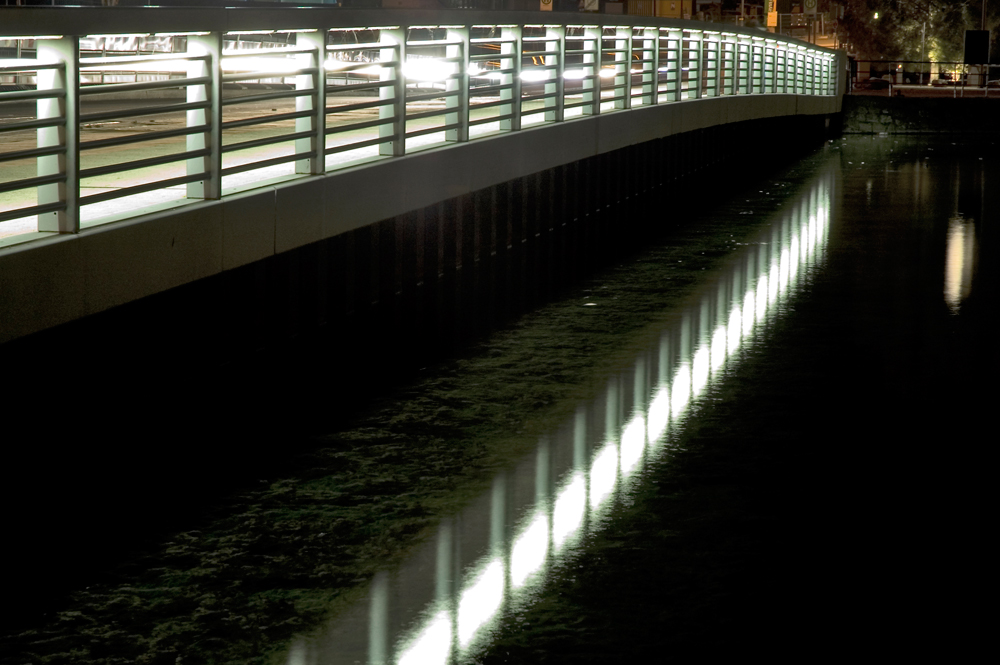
point(62, 279)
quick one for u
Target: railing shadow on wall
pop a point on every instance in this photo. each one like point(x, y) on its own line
point(101, 124)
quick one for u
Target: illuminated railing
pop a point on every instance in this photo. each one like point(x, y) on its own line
point(581, 469)
point(347, 86)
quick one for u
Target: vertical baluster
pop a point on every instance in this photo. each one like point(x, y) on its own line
point(510, 58)
point(650, 70)
point(66, 80)
point(555, 40)
point(394, 132)
point(623, 67)
point(315, 144)
point(458, 104)
point(210, 165)
point(675, 42)
point(592, 70)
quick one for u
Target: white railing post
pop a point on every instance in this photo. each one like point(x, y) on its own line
point(510, 58)
point(650, 70)
point(392, 53)
point(210, 139)
point(592, 70)
point(65, 79)
point(675, 43)
point(555, 40)
point(458, 105)
point(694, 62)
point(732, 47)
point(623, 67)
point(315, 145)
point(714, 46)
point(744, 57)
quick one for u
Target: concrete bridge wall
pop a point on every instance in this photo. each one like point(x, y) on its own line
point(57, 280)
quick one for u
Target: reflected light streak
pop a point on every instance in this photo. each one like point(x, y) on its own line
point(529, 550)
point(761, 298)
point(569, 509)
point(718, 357)
point(603, 473)
point(480, 601)
point(958, 262)
point(681, 390)
point(734, 330)
point(432, 646)
point(659, 414)
point(633, 443)
point(699, 371)
point(748, 312)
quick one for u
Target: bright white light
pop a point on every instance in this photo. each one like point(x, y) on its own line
point(748, 313)
point(428, 70)
point(569, 509)
point(785, 271)
point(774, 274)
point(574, 74)
point(529, 550)
point(533, 75)
point(659, 414)
point(603, 474)
point(260, 64)
point(734, 330)
point(718, 352)
point(699, 371)
point(761, 297)
point(680, 390)
point(336, 65)
point(633, 443)
point(432, 645)
point(480, 601)
point(607, 73)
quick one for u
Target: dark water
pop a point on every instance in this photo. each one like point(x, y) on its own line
point(788, 458)
point(772, 474)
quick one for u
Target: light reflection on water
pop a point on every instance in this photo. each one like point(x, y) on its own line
point(439, 606)
point(959, 261)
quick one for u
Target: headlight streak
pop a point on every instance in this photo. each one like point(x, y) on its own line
point(768, 277)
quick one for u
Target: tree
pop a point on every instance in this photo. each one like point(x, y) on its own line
point(892, 29)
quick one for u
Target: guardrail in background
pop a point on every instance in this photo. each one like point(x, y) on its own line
point(953, 76)
point(342, 87)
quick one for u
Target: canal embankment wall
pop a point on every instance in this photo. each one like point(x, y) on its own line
point(864, 114)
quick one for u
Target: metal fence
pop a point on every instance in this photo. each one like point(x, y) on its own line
point(339, 88)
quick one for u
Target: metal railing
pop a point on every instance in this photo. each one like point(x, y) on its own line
point(347, 86)
point(921, 77)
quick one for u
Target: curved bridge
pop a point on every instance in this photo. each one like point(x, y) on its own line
point(146, 148)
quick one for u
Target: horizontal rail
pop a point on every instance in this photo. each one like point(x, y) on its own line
point(332, 150)
point(25, 183)
point(264, 163)
point(141, 163)
point(103, 88)
point(135, 113)
point(140, 189)
point(33, 210)
point(97, 144)
point(31, 94)
point(354, 126)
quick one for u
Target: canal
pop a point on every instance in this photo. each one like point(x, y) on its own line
point(763, 434)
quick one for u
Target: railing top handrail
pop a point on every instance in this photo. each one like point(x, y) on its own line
point(31, 21)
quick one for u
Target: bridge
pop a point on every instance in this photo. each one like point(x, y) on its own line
point(150, 148)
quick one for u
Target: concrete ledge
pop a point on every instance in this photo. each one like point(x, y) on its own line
point(58, 279)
